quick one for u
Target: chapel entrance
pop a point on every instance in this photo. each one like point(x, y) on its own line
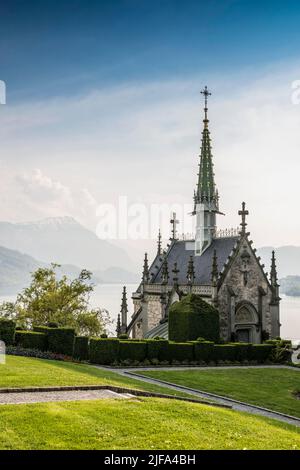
point(247, 328)
point(243, 336)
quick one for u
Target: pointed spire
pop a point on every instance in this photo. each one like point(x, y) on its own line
point(159, 243)
point(214, 268)
point(274, 281)
point(146, 275)
point(118, 329)
point(165, 271)
point(273, 272)
point(190, 271)
point(175, 271)
point(206, 190)
point(124, 311)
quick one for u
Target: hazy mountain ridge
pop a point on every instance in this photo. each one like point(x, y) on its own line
point(65, 241)
point(16, 269)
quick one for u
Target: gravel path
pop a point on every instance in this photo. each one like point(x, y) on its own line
point(65, 395)
point(234, 404)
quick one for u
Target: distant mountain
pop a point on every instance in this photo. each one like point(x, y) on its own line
point(287, 259)
point(16, 269)
point(65, 241)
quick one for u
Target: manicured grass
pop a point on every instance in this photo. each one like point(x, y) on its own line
point(270, 388)
point(31, 372)
point(139, 424)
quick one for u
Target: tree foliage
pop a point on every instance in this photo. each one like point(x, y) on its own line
point(49, 299)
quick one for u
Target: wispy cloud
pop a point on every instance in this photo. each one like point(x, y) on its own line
point(142, 140)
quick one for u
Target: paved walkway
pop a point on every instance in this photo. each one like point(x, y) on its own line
point(12, 398)
point(234, 404)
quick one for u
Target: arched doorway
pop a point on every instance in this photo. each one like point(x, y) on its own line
point(246, 326)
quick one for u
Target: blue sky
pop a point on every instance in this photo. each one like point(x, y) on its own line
point(103, 101)
point(52, 47)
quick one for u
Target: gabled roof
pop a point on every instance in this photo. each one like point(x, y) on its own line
point(180, 251)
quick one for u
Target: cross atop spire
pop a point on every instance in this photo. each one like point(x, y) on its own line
point(206, 93)
point(243, 213)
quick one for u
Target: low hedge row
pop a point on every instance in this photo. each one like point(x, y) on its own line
point(31, 340)
point(111, 350)
point(7, 331)
point(81, 348)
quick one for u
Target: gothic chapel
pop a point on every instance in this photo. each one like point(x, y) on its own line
point(221, 266)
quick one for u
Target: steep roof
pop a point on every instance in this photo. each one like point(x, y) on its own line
point(180, 252)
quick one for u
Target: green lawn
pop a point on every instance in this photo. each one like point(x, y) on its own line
point(270, 388)
point(31, 372)
point(139, 424)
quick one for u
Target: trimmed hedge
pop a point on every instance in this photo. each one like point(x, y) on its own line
point(224, 352)
point(81, 348)
point(157, 349)
point(7, 331)
point(104, 351)
point(260, 352)
point(203, 350)
point(242, 351)
point(132, 350)
point(61, 340)
point(192, 317)
point(180, 352)
point(41, 329)
point(31, 340)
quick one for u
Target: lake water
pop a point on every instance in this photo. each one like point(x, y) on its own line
point(108, 296)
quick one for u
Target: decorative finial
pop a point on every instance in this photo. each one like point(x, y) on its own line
point(146, 276)
point(190, 271)
point(159, 243)
point(273, 273)
point(243, 213)
point(124, 311)
point(206, 93)
point(174, 222)
point(175, 271)
point(118, 329)
point(165, 271)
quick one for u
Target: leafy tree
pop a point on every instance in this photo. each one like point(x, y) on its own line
point(50, 299)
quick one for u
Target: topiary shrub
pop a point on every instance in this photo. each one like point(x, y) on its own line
point(203, 351)
point(191, 318)
point(81, 348)
point(157, 349)
point(31, 340)
point(7, 331)
point(104, 351)
point(133, 350)
point(61, 340)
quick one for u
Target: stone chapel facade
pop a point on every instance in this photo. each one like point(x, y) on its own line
point(222, 267)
